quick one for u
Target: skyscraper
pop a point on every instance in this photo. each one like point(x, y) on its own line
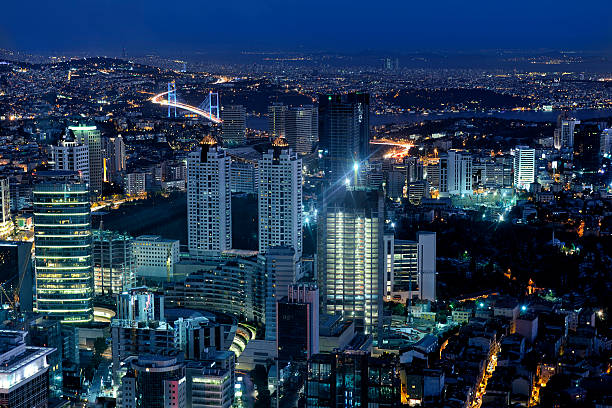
point(565, 127)
point(280, 271)
point(114, 156)
point(234, 125)
point(71, 155)
point(344, 132)
point(455, 173)
point(605, 142)
point(280, 198)
point(524, 167)
point(6, 223)
point(119, 153)
point(350, 255)
point(587, 149)
point(426, 266)
point(301, 128)
point(90, 136)
point(209, 205)
point(276, 120)
point(62, 226)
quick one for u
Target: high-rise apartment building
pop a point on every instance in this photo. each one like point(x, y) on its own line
point(344, 132)
point(135, 183)
point(605, 142)
point(113, 264)
point(6, 223)
point(280, 199)
point(350, 255)
point(63, 249)
point(523, 167)
point(209, 204)
point(71, 155)
point(233, 129)
point(455, 173)
point(118, 157)
point(114, 160)
point(91, 137)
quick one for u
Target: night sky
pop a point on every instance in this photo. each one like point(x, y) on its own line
point(331, 25)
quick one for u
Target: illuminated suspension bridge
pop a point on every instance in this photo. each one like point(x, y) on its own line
point(208, 109)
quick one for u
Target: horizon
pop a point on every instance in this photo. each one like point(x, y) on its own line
point(273, 26)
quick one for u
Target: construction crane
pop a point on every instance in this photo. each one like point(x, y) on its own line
point(14, 301)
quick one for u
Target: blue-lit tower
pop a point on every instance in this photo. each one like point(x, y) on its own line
point(171, 98)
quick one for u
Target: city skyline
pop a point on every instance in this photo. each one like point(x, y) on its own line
point(305, 205)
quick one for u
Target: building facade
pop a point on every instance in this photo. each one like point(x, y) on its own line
point(154, 257)
point(280, 199)
point(301, 128)
point(63, 249)
point(113, 265)
point(350, 255)
point(71, 155)
point(455, 173)
point(209, 205)
point(524, 167)
point(24, 372)
point(6, 223)
point(352, 379)
point(154, 381)
point(233, 129)
point(91, 137)
point(344, 132)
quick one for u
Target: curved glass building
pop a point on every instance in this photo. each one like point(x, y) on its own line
point(63, 250)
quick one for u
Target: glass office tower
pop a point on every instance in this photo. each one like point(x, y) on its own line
point(350, 255)
point(64, 273)
point(344, 132)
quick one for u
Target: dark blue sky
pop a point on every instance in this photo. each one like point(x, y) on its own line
point(335, 25)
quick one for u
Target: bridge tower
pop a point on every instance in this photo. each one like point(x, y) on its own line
point(171, 98)
point(213, 104)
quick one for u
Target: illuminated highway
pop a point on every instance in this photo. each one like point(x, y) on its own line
point(160, 100)
point(400, 151)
